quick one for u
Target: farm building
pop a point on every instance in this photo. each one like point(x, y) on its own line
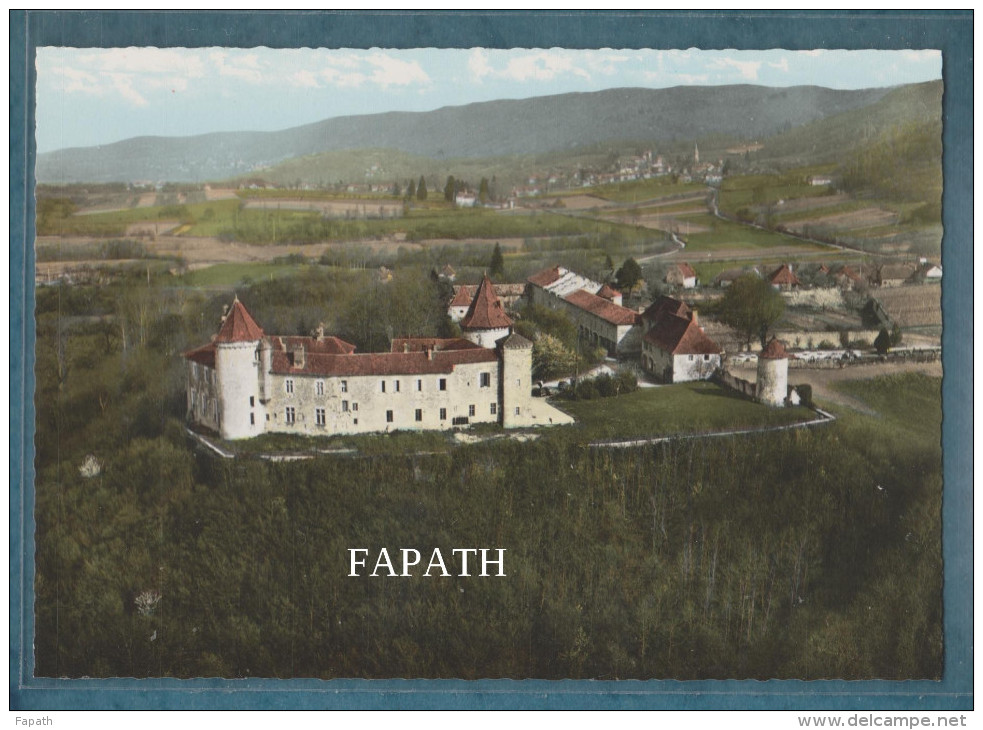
point(783, 278)
point(674, 347)
point(595, 308)
point(681, 274)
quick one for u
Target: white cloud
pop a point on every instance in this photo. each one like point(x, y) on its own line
point(391, 71)
point(921, 56)
point(747, 69)
point(145, 61)
point(123, 83)
point(781, 65)
point(76, 80)
point(478, 64)
point(304, 79)
point(334, 77)
point(246, 67)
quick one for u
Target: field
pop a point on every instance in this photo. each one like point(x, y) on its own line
point(912, 305)
point(684, 408)
point(726, 235)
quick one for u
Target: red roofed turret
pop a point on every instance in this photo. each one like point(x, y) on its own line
point(239, 326)
point(486, 310)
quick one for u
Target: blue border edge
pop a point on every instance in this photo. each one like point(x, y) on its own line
point(950, 31)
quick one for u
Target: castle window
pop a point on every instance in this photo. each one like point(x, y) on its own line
point(443, 414)
point(319, 417)
point(471, 410)
point(290, 414)
point(494, 408)
point(344, 386)
point(419, 385)
point(354, 406)
point(690, 357)
point(288, 384)
point(252, 401)
point(443, 383)
point(706, 357)
point(419, 414)
point(395, 386)
point(518, 381)
point(382, 384)
point(319, 387)
point(344, 405)
point(517, 410)
point(252, 419)
point(485, 380)
point(389, 416)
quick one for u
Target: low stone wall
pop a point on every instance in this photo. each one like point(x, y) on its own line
point(728, 380)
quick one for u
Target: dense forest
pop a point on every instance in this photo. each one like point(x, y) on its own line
point(808, 554)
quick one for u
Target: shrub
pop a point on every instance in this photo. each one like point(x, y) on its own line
point(805, 393)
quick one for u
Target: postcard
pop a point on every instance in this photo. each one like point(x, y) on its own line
point(577, 376)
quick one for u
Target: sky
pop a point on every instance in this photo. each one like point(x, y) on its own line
point(93, 96)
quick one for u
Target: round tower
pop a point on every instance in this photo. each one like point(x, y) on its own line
point(486, 321)
point(237, 367)
point(772, 388)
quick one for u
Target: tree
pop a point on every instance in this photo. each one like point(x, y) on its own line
point(629, 275)
point(483, 193)
point(883, 342)
point(751, 306)
point(449, 189)
point(421, 189)
point(895, 335)
point(411, 190)
point(496, 267)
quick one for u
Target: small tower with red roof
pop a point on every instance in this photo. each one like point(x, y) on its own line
point(486, 321)
point(772, 387)
point(237, 364)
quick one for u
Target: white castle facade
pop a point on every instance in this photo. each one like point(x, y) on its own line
point(245, 383)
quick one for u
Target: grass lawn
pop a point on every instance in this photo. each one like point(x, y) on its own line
point(685, 408)
point(727, 235)
point(640, 190)
point(907, 403)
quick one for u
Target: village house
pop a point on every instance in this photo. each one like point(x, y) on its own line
point(783, 278)
point(595, 308)
point(244, 382)
point(682, 275)
point(675, 348)
point(889, 275)
point(725, 278)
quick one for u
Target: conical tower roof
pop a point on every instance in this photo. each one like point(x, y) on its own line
point(486, 311)
point(775, 350)
point(239, 325)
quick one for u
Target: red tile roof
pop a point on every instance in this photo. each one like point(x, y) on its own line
point(600, 307)
point(204, 355)
point(775, 350)
point(383, 363)
point(681, 336)
point(608, 292)
point(545, 277)
point(685, 269)
point(437, 344)
point(239, 326)
point(486, 310)
point(783, 276)
point(328, 345)
point(664, 306)
point(462, 296)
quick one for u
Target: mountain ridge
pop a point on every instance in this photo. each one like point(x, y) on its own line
point(480, 129)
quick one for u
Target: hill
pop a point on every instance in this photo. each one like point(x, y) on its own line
point(486, 129)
